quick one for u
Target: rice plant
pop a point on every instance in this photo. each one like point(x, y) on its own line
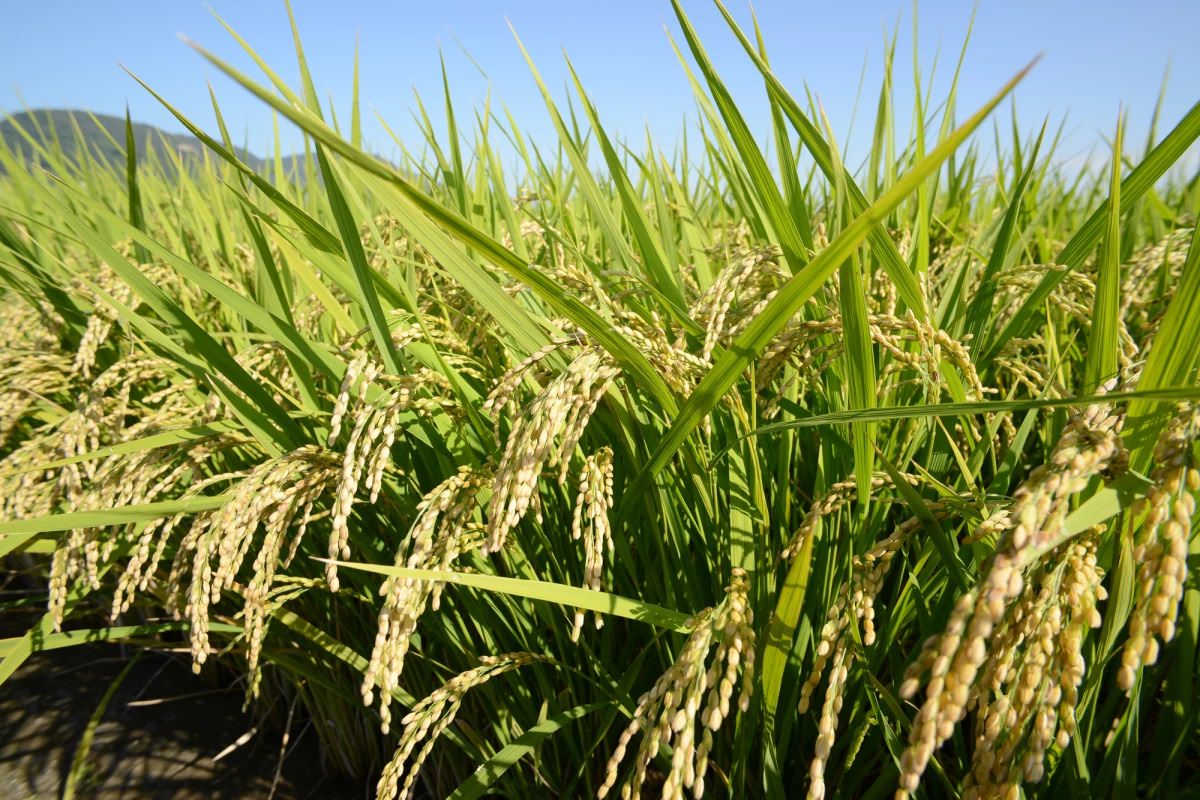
point(724, 470)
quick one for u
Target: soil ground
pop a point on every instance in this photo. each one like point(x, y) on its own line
point(166, 733)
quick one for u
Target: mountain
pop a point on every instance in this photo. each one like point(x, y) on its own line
point(104, 137)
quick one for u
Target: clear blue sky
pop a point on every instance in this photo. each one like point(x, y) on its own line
point(1098, 55)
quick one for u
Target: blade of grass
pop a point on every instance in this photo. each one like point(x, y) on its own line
point(586, 318)
point(792, 296)
point(761, 181)
point(1173, 360)
point(858, 355)
point(889, 413)
point(76, 773)
point(547, 591)
point(1100, 362)
point(165, 438)
point(353, 249)
point(528, 743)
point(979, 312)
point(136, 217)
point(882, 247)
point(1139, 180)
point(116, 516)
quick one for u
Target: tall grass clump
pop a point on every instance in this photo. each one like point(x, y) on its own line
point(734, 470)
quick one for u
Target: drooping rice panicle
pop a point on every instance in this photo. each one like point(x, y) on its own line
point(1161, 546)
point(591, 524)
point(442, 531)
point(544, 436)
point(1090, 444)
point(430, 717)
point(693, 693)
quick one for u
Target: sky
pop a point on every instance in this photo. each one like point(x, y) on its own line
point(1098, 57)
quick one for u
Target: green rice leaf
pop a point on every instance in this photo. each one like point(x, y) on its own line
point(1135, 184)
point(793, 295)
point(353, 249)
point(578, 312)
point(1100, 363)
point(115, 516)
point(882, 247)
point(762, 183)
point(166, 438)
point(526, 744)
point(1173, 361)
point(547, 591)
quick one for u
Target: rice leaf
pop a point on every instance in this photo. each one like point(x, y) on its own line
point(547, 591)
point(794, 294)
point(528, 743)
point(1101, 362)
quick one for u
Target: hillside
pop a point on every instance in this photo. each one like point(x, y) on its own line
point(103, 135)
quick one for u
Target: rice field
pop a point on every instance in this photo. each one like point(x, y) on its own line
point(723, 470)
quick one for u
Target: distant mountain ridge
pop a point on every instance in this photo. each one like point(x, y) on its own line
point(104, 137)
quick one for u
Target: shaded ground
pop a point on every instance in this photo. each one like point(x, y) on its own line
point(158, 737)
